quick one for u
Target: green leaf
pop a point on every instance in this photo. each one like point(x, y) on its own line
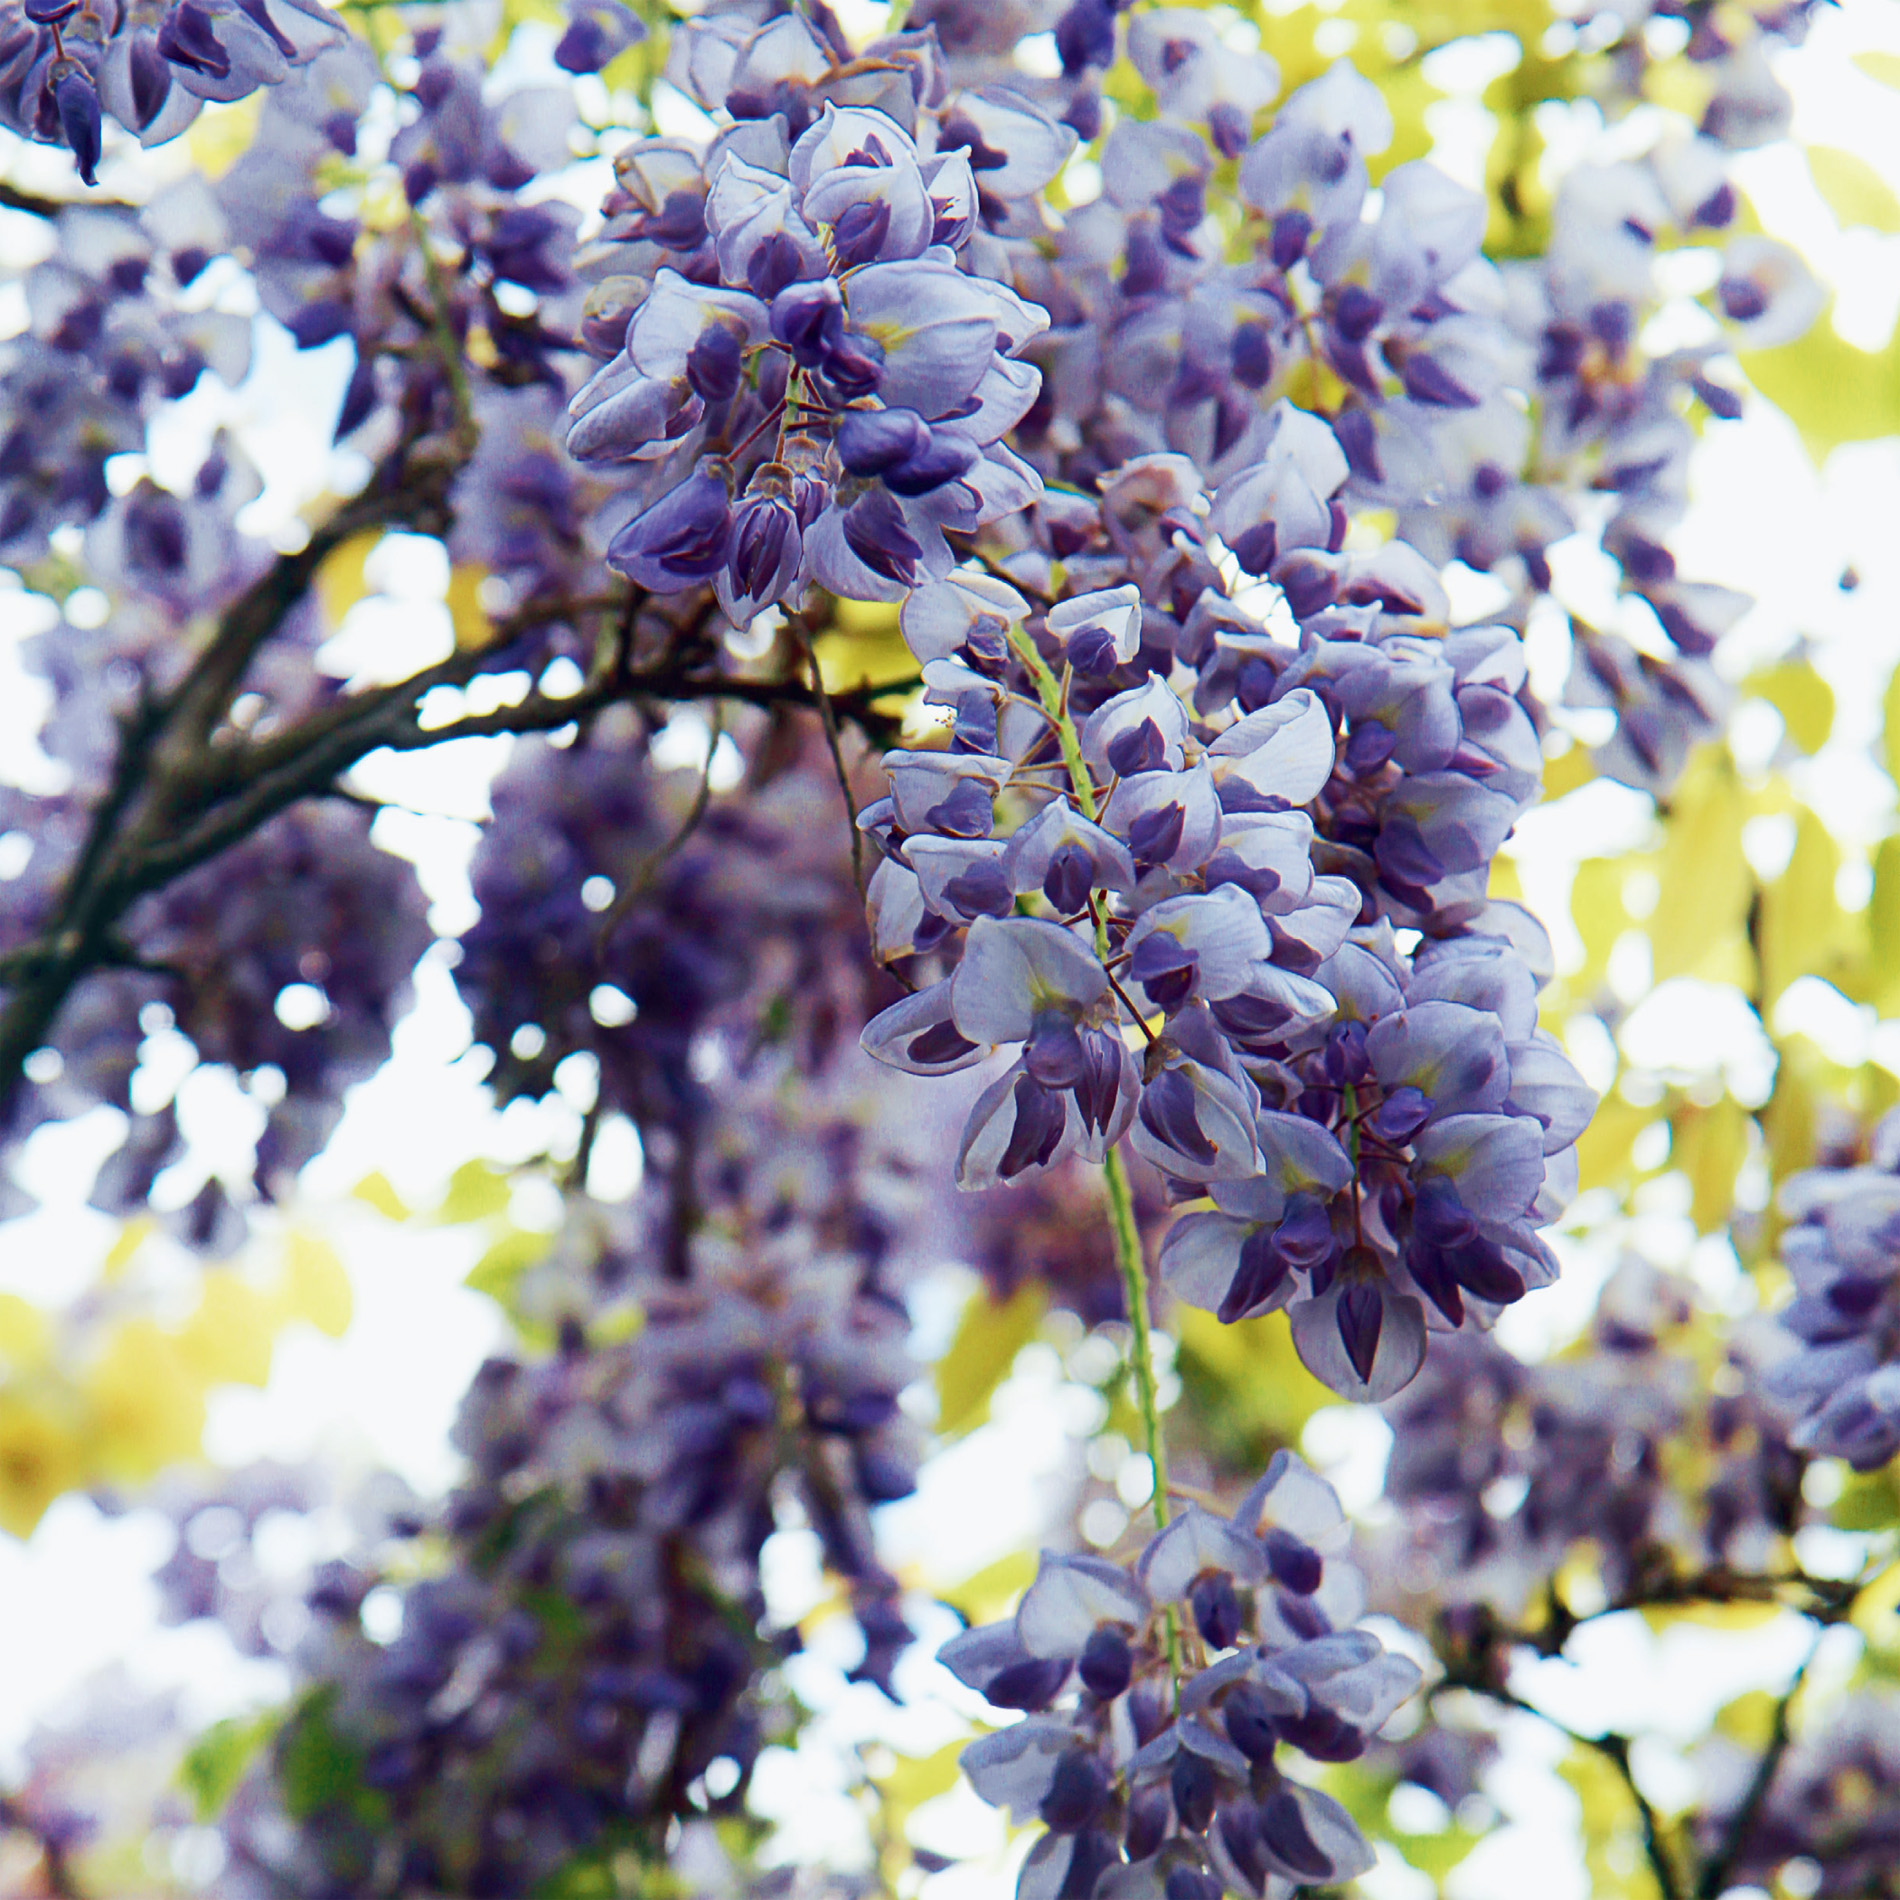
point(989, 1336)
point(316, 1767)
point(1830, 390)
point(217, 1761)
point(1855, 192)
point(1885, 67)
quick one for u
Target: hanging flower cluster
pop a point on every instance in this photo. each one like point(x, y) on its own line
point(1157, 1696)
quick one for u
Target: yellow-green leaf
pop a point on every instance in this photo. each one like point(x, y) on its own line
point(496, 1272)
point(1803, 698)
point(1830, 390)
point(316, 1286)
point(1882, 987)
point(476, 1192)
point(217, 1761)
point(473, 628)
point(1245, 1383)
point(989, 1593)
point(1706, 883)
point(1884, 67)
point(341, 582)
point(375, 1191)
point(1708, 1145)
point(989, 1336)
point(1803, 930)
point(228, 1339)
point(1855, 192)
point(1890, 727)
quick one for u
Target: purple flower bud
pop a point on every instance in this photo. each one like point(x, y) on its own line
point(1192, 1784)
point(1263, 1265)
point(1147, 1828)
point(858, 236)
point(1323, 1735)
point(1249, 1720)
point(1360, 1316)
point(1401, 1115)
point(874, 530)
point(1155, 836)
point(1069, 879)
point(1085, 36)
point(806, 318)
point(1165, 968)
point(1216, 1607)
point(1284, 1834)
point(583, 48)
point(1345, 1060)
point(964, 812)
point(1428, 381)
point(78, 104)
point(947, 456)
point(1036, 1131)
point(1028, 1685)
point(1169, 1111)
point(359, 398)
point(320, 320)
point(714, 363)
point(1291, 229)
point(681, 539)
point(1141, 748)
point(764, 550)
point(1053, 1054)
point(185, 38)
point(1230, 127)
point(1078, 1791)
point(1252, 354)
point(1256, 547)
point(1099, 1088)
point(853, 363)
point(1743, 300)
point(1296, 1566)
point(1106, 1663)
point(869, 441)
point(1356, 315)
point(772, 266)
point(1190, 1883)
point(151, 81)
point(983, 891)
point(939, 1043)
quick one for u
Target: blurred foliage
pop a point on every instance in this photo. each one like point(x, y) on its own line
point(108, 1391)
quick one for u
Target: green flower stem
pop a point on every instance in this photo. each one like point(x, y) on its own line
point(1121, 1202)
point(1121, 1213)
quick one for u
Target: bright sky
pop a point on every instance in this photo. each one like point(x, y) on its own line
point(1764, 520)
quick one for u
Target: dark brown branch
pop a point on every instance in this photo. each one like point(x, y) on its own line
point(1721, 1863)
point(1615, 1749)
point(178, 798)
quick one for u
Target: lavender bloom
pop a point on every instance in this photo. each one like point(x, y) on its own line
point(149, 67)
point(1146, 1783)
